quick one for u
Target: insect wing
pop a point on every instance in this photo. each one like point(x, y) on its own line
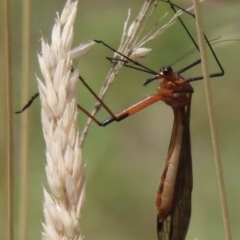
point(176, 225)
point(181, 212)
point(164, 229)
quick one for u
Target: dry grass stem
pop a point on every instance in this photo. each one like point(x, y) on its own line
point(24, 159)
point(8, 115)
point(131, 46)
point(216, 149)
point(64, 169)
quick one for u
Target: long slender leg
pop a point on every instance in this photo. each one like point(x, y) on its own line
point(221, 73)
point(134, 108)
point(96, 96)
point(29, 103)
point(124, 114)
point(129, 66)
point(129, 59)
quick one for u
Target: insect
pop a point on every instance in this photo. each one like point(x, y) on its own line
point(174, 192)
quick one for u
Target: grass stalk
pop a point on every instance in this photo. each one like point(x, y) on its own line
point(216, 150)
point(9, 122)
point(24, 154)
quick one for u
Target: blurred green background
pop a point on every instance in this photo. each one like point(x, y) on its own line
point(125, 160)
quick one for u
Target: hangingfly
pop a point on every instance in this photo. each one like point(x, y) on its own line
point(174, 193)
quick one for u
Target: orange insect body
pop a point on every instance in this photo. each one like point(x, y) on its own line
point(173, 89)
point(175, 92)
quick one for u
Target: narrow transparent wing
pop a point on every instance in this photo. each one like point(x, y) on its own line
point(181, 212)
point(164, 229)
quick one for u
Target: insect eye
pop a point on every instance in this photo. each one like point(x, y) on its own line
point(167, 69)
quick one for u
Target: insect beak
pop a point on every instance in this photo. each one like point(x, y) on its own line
point(150, 80)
